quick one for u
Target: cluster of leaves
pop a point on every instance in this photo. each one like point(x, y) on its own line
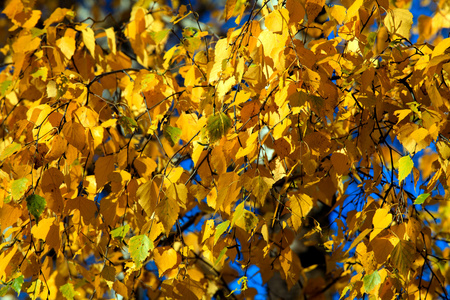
point(116, 142)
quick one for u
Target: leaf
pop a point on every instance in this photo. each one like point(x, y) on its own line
point(58, 146)
point(178, 192)
point(277, 20)
point(220, 256)
point(247, 220)
point(405, 166)
point(89, 40)
point(220, 229)
point(313, 8)
point(74, 133)
point(36, 205)
point(68, 291)
point(165, 258)
point(17, 284)
point(399, 21)
point(421, 198)
point(120, 232)
point(441, 47)
point(109, 273)
point(217, 126)
point(128, 124)
point(159, 36)
point(261, 186)
point(104, 166)
point(403, 256)
point(167, 210)
point(147, 195)
point(18, 188)
point(209, 230)
point(381, 219)
point(10, 150)
point(139, 247)
point(58, 15)
point(172, 134)
point(300, 205)
point(371, 281)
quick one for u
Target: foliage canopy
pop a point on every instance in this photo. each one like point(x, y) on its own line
point(155, 157)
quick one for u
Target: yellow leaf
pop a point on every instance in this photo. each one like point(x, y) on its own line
point(89, 40)
point(165, 258)
point(58, 15)
point(67, 43)
point(41, 230)
point(338, 12)
point(145, 166)
point(209, 230)
point(399, 21)
point(277, 20)
point(111, 36)
point(261, 186)
point(5, 258)
point(353, 10)
point(147, 195)
point(178, 192)
point(167, 210)
point(300, 205)
point(86, 117)
point(381, 220)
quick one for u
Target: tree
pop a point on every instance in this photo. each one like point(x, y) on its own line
point(154, 158)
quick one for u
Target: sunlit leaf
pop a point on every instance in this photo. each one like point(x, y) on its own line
point(399, 21)
point(220, 229)
point(68, 291)
point(9, 150)
point(120, 232)
point(421, 198)
point(18, 188)
point(405, 166)
point(371, 281)
point(165, 258)
point(139, 247)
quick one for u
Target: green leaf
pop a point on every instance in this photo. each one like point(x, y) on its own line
point(18, 188)
point(140, 246)
point(4, 86)
point(172, 134)
point(8, 151)
point(220, 229)
point(218, 126)
point(421, 198)
point(403, 256)
point(158, 36)
point(371, 281)
point(4, 290)
point(221, 254)
point(67, 291)
point(36, 205)
point(17, 284)
point(120, 232)
point(405, 166)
